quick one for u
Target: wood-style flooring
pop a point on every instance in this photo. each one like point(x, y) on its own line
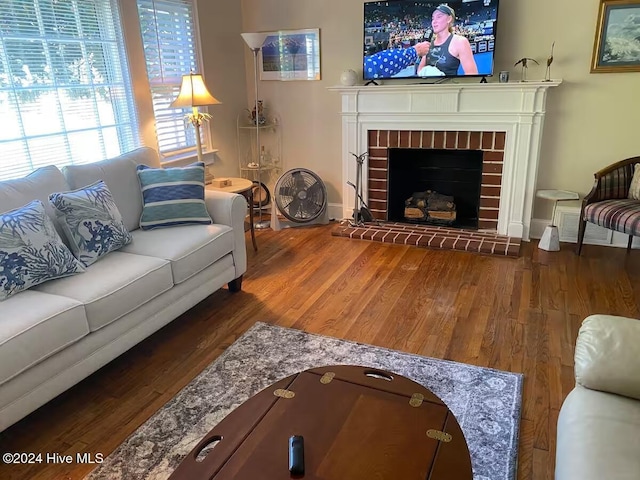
point(520, 315)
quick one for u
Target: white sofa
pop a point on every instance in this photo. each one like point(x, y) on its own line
point(599, 423)
point(57, 333)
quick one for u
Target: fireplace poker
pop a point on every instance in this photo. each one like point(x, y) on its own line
point(357, 217)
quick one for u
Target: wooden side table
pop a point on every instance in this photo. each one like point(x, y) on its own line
point(245, 188)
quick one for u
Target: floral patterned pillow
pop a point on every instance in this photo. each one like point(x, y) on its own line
point(31, 251)
point(91, 221)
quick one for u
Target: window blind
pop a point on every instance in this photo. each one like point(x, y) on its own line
point(65, 93)
point(170, 49)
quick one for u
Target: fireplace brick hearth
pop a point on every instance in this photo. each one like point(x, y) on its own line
point(432, 237)
point(492, 145)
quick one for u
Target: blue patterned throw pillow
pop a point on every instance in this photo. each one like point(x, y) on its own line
point(91, 221)
point(172, 196)
point(31, 251)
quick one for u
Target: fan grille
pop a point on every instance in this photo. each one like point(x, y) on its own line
point(300, 195)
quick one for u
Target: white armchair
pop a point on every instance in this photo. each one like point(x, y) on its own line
point(599, 422)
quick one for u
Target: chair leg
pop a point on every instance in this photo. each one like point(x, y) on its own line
point(630, 242)
point(581, 229)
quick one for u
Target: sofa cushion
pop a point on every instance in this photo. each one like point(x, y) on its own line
point(172, 196)
point(119, 173)
point(31, 251)
point(598, 437)
point(91, 221)
point(114, 286)
point(619, 215)
point(38, 185)
point(190, 248)
point(34, 326)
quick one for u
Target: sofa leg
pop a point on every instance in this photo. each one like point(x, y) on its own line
point(630, 242)
point(582, 227)
point(235, 285)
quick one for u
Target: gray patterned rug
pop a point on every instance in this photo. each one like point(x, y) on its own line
point(486, 402)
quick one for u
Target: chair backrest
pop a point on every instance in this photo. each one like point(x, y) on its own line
point(614, 184)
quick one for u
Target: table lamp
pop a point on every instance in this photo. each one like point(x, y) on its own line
point(194, 94)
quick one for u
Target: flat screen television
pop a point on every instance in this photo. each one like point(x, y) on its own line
point(418, 39)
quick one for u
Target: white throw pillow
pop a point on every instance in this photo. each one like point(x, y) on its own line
point(634, 189)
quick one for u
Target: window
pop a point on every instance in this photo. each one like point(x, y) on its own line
point(65, 94)
point(169, 40)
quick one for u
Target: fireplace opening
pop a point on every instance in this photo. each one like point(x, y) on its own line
point(451, 173)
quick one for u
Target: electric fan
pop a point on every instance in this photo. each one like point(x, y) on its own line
point(301, 197)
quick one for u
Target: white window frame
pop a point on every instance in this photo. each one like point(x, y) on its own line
point(175, 155)
point(63, 150)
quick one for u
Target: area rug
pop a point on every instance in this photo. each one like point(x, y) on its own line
point(486, 402)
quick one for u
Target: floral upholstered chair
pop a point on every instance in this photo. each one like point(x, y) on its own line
point(614, 202)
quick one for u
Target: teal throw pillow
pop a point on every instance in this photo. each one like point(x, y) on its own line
point(31, 251)
point(172, 196)
point(91, 221)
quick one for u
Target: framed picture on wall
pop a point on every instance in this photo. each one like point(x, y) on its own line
point(617, 44)
point(291, 55)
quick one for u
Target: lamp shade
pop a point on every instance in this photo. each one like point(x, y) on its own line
point(193, 93)
point(254, 40)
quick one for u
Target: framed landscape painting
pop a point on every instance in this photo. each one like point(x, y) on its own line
point(291, 55)
point(617, 44)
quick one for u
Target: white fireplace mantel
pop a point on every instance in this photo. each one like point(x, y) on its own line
point(517, 108)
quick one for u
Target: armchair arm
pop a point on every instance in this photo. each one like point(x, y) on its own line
point(606, 356)
point(230, 209)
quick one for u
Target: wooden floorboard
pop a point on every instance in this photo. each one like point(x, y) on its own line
point(518, 314)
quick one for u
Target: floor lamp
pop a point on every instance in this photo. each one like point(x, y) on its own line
point(194, 94)
point(255, 41)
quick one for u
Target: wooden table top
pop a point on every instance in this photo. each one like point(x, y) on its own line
point(357, 423)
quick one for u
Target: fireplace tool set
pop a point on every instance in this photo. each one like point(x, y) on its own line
point(361, 212)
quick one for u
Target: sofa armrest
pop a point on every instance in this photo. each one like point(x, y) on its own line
point(230, 209)
point(606, 356)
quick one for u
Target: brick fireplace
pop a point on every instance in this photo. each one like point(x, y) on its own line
point(491, 144)
point(504, 120)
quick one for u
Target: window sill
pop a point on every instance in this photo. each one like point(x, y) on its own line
point(208, 156)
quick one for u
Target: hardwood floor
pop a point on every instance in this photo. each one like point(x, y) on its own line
point(519, 314)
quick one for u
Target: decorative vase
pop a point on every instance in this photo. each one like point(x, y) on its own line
point(349, 78)
point(261, 117)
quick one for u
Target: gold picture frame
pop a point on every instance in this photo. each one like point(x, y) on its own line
point(291, 55)
point(616, 48)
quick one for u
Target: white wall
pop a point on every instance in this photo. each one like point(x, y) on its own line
point(220, 23)
point(591, 118)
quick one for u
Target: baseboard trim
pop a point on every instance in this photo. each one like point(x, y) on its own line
point(335, 211)
point(616, 240)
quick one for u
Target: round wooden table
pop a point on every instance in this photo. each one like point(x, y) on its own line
point(358, 423)
point(245, 188)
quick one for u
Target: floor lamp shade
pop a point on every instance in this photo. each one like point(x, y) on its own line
point(254, 40)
